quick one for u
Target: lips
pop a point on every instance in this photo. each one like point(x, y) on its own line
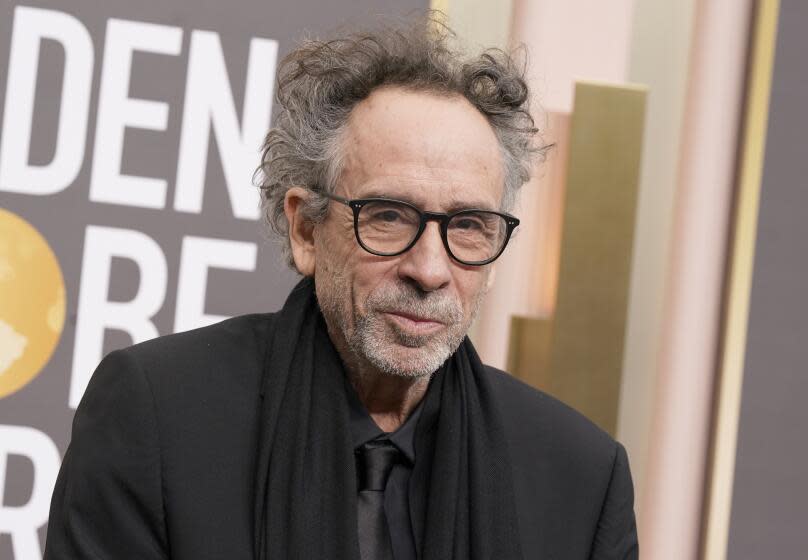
point(414, 323)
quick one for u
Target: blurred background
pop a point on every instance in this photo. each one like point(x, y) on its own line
point(656, 283)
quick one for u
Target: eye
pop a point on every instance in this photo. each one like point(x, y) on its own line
point(467, 223)
point(387, 215)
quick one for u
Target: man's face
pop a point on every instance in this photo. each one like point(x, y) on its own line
point(405, 315)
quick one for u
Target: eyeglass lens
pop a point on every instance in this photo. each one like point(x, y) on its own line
point(389, 227)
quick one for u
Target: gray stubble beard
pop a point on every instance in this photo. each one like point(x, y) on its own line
point(377, 340)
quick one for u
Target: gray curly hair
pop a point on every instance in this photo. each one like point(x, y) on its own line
point(321, 82)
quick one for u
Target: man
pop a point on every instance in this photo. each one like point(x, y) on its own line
point(358, 421)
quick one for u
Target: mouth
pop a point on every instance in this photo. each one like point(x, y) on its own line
point(413, 323)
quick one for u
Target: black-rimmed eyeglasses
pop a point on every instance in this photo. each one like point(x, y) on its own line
point(387, 228)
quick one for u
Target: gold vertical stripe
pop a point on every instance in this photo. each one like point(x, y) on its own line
point(603, 173)
point(551, 186)
point(739, 284)
point(583, 343)
point(529, 350)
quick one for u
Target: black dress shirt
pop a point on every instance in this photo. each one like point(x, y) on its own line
point(397, 492)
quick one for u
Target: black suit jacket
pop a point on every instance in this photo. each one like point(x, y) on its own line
point(164, 444)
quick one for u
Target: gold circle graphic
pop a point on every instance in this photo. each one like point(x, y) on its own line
point(32, 302)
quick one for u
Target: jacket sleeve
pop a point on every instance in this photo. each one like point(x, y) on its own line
point(616, 536)
point(108, 502)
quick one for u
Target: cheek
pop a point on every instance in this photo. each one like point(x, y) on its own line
point(334, 246)
point(370, 274)
point(347, 272)
point(471, 286)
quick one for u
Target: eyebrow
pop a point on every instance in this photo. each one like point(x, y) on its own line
point(454, 206)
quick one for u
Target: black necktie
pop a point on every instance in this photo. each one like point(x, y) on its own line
point(374, 461)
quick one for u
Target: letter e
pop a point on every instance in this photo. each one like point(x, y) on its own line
point(116, 111)
point(198, 255)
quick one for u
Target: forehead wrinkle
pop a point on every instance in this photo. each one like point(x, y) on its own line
point(385, 109)
point(425, 155)
point(449, 201)
point(393, 141)
point(416, 182)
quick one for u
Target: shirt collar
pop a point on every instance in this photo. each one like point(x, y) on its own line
point(364, 429)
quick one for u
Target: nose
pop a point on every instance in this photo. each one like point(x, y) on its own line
point(427, 264)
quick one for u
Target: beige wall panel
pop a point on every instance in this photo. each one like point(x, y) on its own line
point(478, 23)
point(660, 45)
point(526, 275)
point(572, 40)
point(673, 493)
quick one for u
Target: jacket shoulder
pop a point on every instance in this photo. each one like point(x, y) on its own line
point(236, 335)
point(167, 431)
point(568, 474)
point(221, 363)
point(533, 416)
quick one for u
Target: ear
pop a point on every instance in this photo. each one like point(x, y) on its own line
point(301, 231)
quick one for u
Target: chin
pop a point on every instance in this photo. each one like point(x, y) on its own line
point(404, 360)
point(408, 371)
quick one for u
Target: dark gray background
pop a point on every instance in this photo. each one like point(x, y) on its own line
point(62, 218)
point(770, 496)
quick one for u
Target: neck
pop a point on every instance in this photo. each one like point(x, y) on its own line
point(389, 399)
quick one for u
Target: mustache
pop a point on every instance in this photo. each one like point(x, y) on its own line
point(433, 306)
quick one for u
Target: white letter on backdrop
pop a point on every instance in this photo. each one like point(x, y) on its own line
point(209, 101)
point(30, 27)
point(96, 313)
point(198, 255)
point(22, 522)
point(116, 111)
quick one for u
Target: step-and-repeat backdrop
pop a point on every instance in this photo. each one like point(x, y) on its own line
point(129, 134)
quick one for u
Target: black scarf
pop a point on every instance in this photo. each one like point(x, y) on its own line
point(305, 484)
